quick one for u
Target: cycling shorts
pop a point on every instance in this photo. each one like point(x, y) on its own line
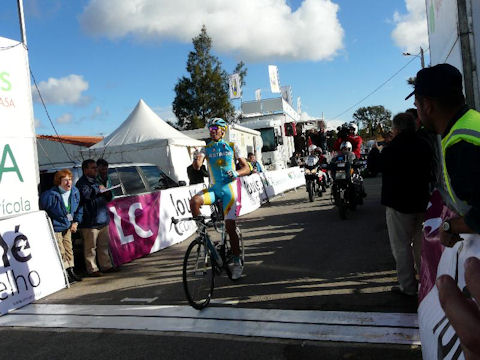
point(229, 194)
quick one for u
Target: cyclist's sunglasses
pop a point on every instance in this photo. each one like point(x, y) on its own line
point(213, 128)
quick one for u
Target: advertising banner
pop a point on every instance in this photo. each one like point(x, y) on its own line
point(142, 224)
point(253, 193)
point(18, 161)
point(133, 226)
point(176, 203)
point(31, 267)
point(283, 180)
point(439, 340)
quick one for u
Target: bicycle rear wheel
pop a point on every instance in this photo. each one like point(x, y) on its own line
point(198, 275)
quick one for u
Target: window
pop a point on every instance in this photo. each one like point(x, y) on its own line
point(268, 138)
point(131, 180)
point(113, 175)
point(156, 178)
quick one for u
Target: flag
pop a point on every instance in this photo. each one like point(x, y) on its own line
point(235, 86)
point(274, 81)
point(258, 94)
point(287, 93)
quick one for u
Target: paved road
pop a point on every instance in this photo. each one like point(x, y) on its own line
point(300, 256)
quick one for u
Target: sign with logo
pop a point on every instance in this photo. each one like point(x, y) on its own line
point(30, 265)
point(133, 226)
point(439, 340)
point(18, 161)
point(176, 203)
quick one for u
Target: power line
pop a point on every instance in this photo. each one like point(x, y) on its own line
point(48, 115)
point(376, 89)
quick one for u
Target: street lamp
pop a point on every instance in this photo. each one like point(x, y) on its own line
point(420, 55)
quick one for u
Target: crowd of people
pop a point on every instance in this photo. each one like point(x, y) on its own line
point(81, 208)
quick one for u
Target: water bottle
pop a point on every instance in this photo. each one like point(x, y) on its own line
point(214, 252)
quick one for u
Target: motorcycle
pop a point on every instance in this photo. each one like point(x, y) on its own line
point(315, 178)
point(347, 188)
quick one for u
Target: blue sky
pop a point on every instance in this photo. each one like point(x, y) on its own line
point(94, 59)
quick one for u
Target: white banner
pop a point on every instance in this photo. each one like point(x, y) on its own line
point(274, 79)
point(439, 340)
point(253, 193)
point(18, 161)
point(235, 86)
point(283, 180)
point(175, 202)
point(258, 94)
point(31, 266)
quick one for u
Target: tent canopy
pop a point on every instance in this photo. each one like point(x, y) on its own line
point(143, 125)
point(145, 137)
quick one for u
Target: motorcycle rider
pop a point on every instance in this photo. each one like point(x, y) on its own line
point(346, 154)
point(355, 139)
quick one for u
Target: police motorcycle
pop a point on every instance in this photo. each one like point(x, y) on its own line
point(347, 187)
point(315, 177)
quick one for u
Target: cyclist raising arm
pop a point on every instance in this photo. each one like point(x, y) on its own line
point(221, 157)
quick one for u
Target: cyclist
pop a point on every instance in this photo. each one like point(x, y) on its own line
point(221, 157)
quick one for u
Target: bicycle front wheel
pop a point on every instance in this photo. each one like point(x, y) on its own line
point(198, 275)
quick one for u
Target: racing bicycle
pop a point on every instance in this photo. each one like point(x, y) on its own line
point(205, 258)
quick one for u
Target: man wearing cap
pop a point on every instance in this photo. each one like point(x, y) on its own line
point(441, 108)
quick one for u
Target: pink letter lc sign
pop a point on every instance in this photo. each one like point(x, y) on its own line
point(133, 229)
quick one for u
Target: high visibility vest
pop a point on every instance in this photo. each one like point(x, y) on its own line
point(467, 128)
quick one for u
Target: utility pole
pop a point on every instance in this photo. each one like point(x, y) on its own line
point(422, 59)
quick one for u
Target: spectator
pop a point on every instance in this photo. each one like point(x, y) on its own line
point(434, 141)
point(103, 178)
point(197, 172)
point(373, 160)
point(321, 141)
point(405, 176)
point(441, 108)
point(296, 160)
point(94, 226)
point(255, 165)
point(62, 204)
point(300, 141)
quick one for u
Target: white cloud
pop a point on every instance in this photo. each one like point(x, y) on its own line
point(65, 118)
point(411, 32)
point(64, 91)
point(250, 29)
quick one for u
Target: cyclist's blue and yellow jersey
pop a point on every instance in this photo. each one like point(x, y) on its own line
point(221, 156)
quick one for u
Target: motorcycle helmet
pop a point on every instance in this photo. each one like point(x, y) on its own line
point(218, 122)
point(312, 148)
point(346, 145)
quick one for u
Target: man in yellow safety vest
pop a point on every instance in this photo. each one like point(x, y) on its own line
point(441, 108)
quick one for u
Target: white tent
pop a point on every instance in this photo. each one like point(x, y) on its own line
point(145, 137)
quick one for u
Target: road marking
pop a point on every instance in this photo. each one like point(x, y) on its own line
point(385, 328)
point(147, 300)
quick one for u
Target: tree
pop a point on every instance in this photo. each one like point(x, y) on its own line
point(376, 119)
point(203, 95)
